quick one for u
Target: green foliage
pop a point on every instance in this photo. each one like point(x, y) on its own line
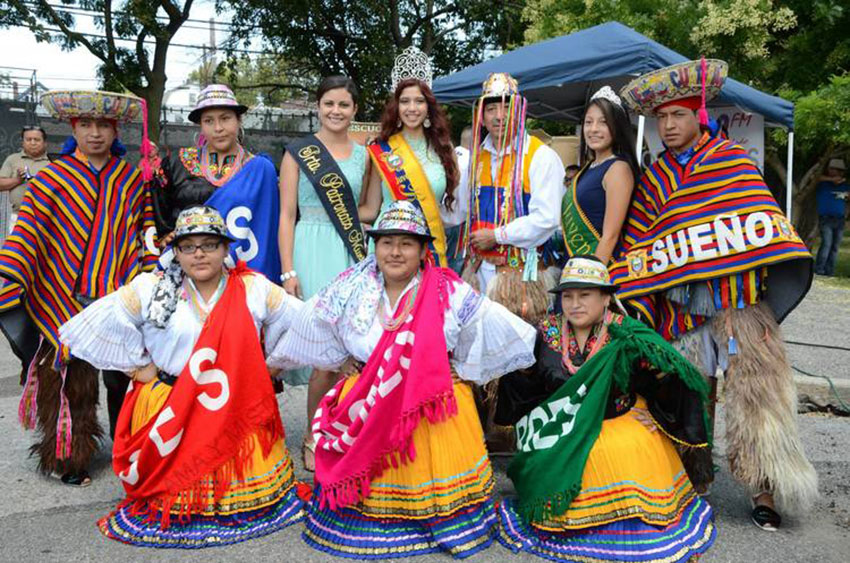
point(267, 79)
point(822, 117)
point(361, 38)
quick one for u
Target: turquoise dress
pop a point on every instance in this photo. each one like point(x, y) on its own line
point(319, 255)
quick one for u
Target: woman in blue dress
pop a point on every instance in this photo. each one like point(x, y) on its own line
point(312, 251)
point(595, 205)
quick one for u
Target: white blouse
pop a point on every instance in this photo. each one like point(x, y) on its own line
point(486, 340)
point(114, 333)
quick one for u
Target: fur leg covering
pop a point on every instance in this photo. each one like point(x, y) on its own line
point(528, 300)
point(697, 461)
point(764, 448)
point(81, 388)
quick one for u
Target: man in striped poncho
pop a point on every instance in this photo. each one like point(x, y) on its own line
point(710, 261)
point(84, 229)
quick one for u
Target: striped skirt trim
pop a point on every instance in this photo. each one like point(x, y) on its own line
point(349, 533)
point(633, 540)
point(202, 530)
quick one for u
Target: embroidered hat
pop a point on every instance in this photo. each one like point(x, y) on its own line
point(74, 104)
point(499, 85)
point(402, 217)
point(647, 93)
point(585, 271)
point(216, 96)
point(200, 220)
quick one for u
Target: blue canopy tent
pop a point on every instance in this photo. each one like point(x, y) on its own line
point(559, 75)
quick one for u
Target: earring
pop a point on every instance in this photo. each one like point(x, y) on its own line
point(398, 124)
point(427, 123)
point(240, 136)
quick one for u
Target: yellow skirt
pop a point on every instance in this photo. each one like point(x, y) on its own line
point(631, 472)
point(451, 469)
point(267, 478)
point(260, 503)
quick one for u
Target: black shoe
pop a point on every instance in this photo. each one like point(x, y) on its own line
point(81, 479)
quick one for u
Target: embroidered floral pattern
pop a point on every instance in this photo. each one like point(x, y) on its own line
point(551, 329)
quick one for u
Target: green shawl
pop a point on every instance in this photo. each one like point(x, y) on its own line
point(554, 439)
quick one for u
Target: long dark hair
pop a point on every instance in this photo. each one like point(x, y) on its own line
point(438, 136)
point(337, 81)
point(623, 140)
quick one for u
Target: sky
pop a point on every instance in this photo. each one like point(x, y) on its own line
point(77, 69)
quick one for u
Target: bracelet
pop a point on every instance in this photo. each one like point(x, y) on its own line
point(288, 275)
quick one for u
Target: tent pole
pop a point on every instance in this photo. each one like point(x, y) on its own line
point(789, 179)
point(639, 147)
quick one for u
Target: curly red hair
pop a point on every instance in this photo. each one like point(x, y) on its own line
point(437, 136)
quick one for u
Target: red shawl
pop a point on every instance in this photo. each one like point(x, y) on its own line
point(201, 438)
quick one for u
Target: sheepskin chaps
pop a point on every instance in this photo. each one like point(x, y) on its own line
point(763, 444)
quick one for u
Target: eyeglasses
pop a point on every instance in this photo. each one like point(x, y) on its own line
point(206, 247)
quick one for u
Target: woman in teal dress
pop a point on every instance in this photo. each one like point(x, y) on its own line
point(312, 252)
point(413, 159)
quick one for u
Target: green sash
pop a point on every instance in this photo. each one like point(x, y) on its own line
point(555, 439)
point(580, 237)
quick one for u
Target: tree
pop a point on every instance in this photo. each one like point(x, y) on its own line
point(136, 21)
point(361, 38)
point(742, 32)
point(822, 124)
point(267, 78)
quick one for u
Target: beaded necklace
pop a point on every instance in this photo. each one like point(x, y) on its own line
point(392, 323)
point(217, 174)
point(571, 356)
point(200, 308)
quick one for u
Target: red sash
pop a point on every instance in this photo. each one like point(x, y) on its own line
point(201, 438)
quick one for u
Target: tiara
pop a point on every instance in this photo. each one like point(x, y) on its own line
point(608, 94)
point(412, 63)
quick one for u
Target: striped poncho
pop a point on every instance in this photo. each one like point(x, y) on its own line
point(713, 222)
point(80, 235)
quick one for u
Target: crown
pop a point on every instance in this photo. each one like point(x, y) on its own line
point(412, 63)
point(607, 93)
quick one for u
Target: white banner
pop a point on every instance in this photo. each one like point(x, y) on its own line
point(744, 128)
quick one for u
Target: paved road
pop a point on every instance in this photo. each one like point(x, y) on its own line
point(41, 520)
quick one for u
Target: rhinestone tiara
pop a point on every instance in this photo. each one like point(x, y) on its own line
point(412, 63)
point(607, 93)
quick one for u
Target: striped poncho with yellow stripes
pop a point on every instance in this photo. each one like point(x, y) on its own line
point(79, 235)
point(711, 221)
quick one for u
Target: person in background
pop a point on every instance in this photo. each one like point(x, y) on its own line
point(832, 193)
point(570, 173)
point(453, 232)
point(19, 167)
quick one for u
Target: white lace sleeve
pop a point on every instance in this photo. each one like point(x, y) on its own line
point(492, 341)
point(107, 334)
point(310, 341)
point(278, 309)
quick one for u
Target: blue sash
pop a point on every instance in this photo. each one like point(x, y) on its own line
point(250, 205)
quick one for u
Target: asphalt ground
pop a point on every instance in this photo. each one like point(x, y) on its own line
point(43, 520)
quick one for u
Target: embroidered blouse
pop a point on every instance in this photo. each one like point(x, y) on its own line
point(485, 340)
point(112, 332)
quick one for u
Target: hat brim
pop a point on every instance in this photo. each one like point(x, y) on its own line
point(377, 233)
point(585, 285)
point(195, 114)
point(202, 233)
point(66, 105)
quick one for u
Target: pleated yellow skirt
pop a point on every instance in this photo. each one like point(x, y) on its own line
point(631, 472)
point(451, 469)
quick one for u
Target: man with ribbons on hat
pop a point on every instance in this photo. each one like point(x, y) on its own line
point(84, 229)
point(515, 188)
point(711, 262)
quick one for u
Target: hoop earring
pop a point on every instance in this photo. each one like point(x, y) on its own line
point(427, 123)
point(398, 124)
point(240, 136)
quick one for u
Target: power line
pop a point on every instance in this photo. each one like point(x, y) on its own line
point(95, 13)
point(148, 42)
